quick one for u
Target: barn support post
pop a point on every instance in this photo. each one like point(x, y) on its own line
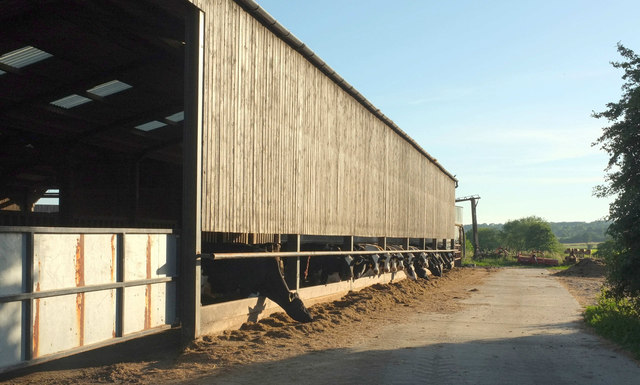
point(406, 243)
point(134, 195)
point(65, 205)
point(424, 243)
point(347, 244)
point(120, 273)
point(292, 271)
point(191, 236)
point(435, 243)
point(382, 242)
point(27, 304)
point(297, 242)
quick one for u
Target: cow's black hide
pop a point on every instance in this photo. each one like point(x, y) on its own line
point(316, 270)
point(244, 277)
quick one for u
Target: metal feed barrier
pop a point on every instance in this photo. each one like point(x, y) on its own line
point(68, 290)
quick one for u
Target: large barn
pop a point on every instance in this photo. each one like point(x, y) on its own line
point(155, 125)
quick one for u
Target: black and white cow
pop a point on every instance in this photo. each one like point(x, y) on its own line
point(240, 278)
point(402, 261)
point(436, 264)
point(368, 264)
point(323, 269)
point(420, 263)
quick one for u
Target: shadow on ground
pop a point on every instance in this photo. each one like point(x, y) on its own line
point(541, 359)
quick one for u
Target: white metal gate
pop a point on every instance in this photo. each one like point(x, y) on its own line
point(65, 290)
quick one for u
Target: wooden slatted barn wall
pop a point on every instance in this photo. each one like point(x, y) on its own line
point(286, 150)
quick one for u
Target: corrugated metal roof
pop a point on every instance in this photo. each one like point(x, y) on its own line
point(24, 56)
point(152, 125)
point(70, 101)
point(109, 88)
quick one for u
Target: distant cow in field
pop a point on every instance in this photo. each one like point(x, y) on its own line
point(241, 278)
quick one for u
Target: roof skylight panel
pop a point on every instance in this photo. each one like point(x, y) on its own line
point(109, 88)
point(24, 56)
point(152, 125)
point(70, 101)
point(177, 117)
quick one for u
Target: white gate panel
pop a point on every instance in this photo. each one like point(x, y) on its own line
point(149, 306)
point(54, 261)
point(12, 250)
point(63, 289)
point(56, 324)
point(149, 256)
point(100, 258)
point(99, 316)
point(10, 333)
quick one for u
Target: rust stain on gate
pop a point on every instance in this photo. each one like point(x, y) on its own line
point(80, 283)
point(113, 256)
point(147, 292)
point(35, 344)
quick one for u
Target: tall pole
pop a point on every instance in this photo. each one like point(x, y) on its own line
point(474, 219)
point(474, 203)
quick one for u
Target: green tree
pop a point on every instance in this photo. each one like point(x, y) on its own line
point(489, 238)
point(530, 233)
point(621, 140)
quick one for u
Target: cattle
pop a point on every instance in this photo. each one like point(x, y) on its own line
point(449, 259)
point(402, 261)
point(241, 278)
point(320, 270)
point(369, 264)
point(409, 266)
point(436, 264)
point(420, 263)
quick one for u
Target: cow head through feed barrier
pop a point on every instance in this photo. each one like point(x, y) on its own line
point(241, 277)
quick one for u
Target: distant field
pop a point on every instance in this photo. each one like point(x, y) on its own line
point(594, 246)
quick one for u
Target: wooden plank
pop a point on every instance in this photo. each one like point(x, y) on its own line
point(289, 151)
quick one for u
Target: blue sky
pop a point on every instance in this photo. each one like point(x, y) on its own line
point(500, 92)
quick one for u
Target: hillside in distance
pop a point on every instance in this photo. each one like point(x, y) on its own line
point(568, 232)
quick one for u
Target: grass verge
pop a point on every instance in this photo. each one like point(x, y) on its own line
point(508, 261)
point(617, 321)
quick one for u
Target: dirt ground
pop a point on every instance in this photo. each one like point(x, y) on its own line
point(584, 280)
point(337, 325)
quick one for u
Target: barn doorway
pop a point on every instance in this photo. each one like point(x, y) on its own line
point(92, 109)
point(99, 118)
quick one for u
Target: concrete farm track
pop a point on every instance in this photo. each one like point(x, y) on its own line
point(520, 326)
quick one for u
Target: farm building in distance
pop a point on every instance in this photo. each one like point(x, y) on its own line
point(162, 123)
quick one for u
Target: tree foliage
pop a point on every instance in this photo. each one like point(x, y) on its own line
point(621, 140)
point(530, 233)
point(488, 238)
point(579, 232)
point(566, 232)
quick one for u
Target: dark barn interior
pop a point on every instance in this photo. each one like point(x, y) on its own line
point(91, 108)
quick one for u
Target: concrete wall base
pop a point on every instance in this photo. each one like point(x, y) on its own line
point(231, 315)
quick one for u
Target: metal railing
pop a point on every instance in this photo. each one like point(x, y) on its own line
point(28, 295)
point(287, 254)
